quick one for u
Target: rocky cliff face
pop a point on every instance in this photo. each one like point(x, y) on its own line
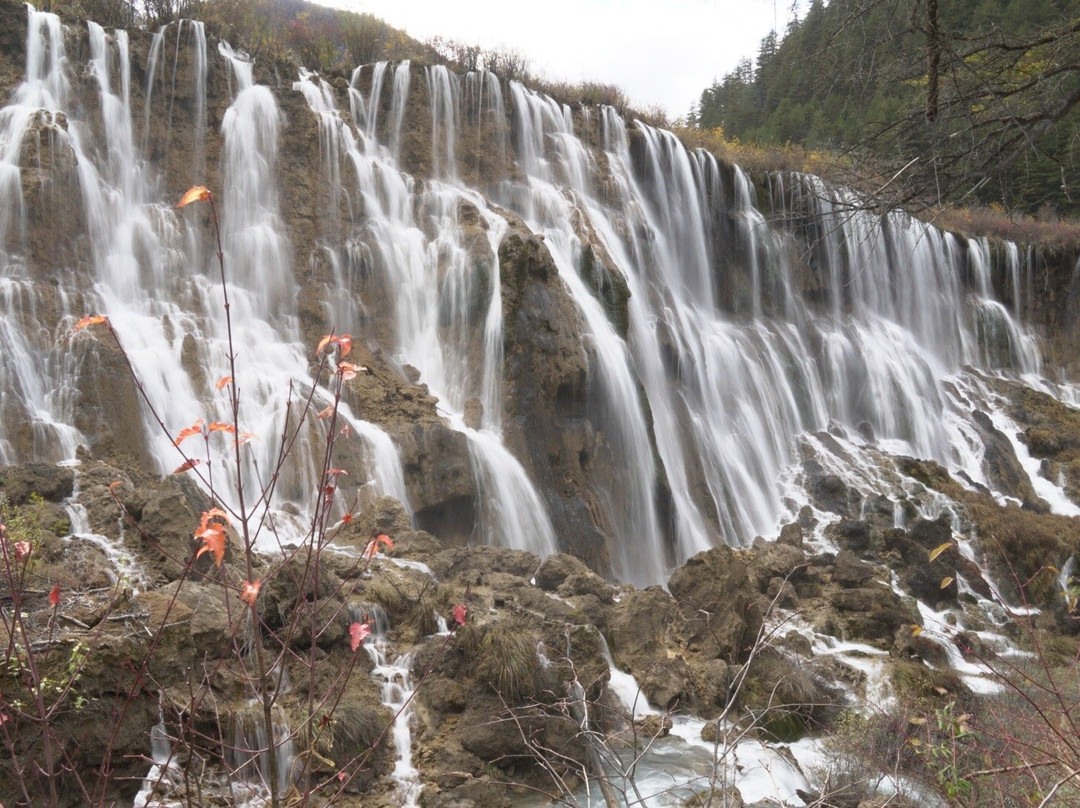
point(582, 356)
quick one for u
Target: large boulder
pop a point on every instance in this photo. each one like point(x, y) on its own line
point(719, 603)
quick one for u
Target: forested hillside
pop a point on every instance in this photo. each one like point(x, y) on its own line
point(974, 99)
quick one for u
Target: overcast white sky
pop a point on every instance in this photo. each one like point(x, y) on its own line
point(661, 52)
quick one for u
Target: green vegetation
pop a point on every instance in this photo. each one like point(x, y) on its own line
point(972, 100)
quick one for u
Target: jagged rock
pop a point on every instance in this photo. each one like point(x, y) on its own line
point(641, 628)
point(547, 379)
point(570, 577)
point(668, 683)
point(727, 796)
point(52, 483)
point(474, 562)
point(169, 516)
point(718, 603)
point(851, 572)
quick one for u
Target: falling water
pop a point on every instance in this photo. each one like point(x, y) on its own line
point(152, 279)
point(715, 345)
point(445, 290)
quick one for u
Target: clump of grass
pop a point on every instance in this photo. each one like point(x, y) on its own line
point(507, 662)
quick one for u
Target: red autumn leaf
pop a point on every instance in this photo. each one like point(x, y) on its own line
point(385, 541)
point(459, 614)
point(88, 320)
point(341, 777)
point(346, 519)
point(54, 596)
point(212, 534)
point(327, 411)
point(224, 380)
point(198, 193)
point(332, 472)
point(220, 426)
point(22, 550)
point(187, 465)
point(114, 485)
point(250, 592)
point(358, 632)
point(185, 433)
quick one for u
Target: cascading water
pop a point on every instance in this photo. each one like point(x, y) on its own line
point(445, 292)
point(153, 278)
point(714, 348)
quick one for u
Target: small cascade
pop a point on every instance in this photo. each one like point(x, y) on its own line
point(397, 695)
point(250, 747)
point(161, 769)
point(625, 688)
point(162, 91)
point(128, 571)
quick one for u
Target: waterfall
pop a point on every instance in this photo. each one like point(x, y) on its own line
point(725, 326)
point(444, 289)
point(152, 278)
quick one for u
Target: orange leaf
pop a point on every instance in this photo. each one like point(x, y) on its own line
point(212, 534)
point(251, 591)
point(195, 429)
point(372, 546)
point(332, 472)
point(187, 465)
point(245, 437)
point(220, 426)
point(459, 613)
point(346, 519)
point(88, 320)
point(54, 596)
point(198, 193)
point(224, 380)
point(327, 411)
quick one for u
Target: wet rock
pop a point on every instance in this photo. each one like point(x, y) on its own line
point(668, 683)
point(829, 492)
point(641, 628)
point(849, 571)
point(1002, 467)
